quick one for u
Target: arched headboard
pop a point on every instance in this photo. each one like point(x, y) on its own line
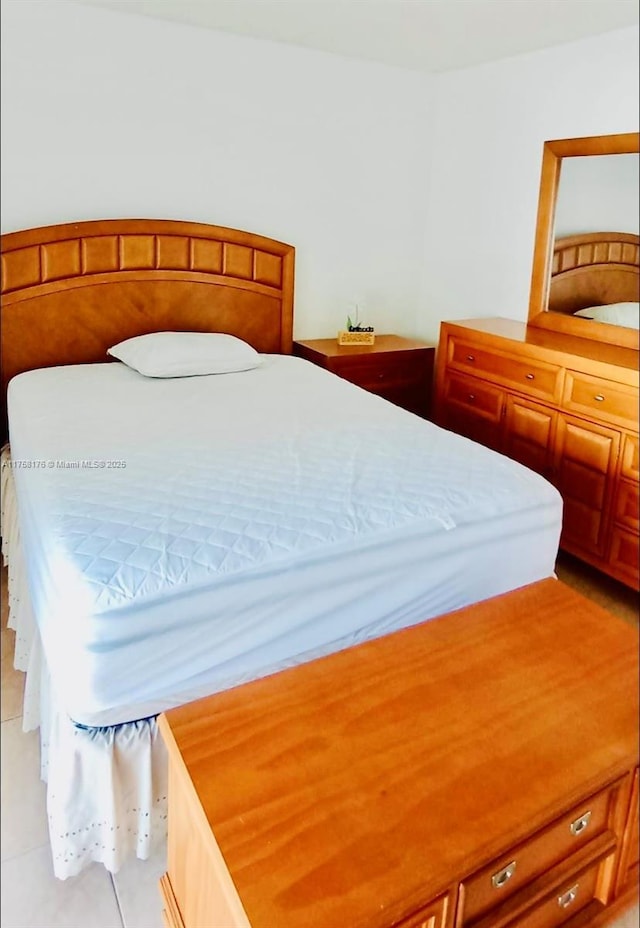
point(71, 291)
point(594, 269)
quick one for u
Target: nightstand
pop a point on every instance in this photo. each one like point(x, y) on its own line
point(398, 369)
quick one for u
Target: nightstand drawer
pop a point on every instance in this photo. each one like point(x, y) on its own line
point(601, 399)
point(398, 369)
point(536, 378)
point(496, 882)
point(378, 371)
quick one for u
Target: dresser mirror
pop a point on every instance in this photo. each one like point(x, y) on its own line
point(585, 279)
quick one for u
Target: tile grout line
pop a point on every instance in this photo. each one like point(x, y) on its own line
point(37, 846)
point(118, 906)
point(29, 850)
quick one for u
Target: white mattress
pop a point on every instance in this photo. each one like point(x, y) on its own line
point(226, 526)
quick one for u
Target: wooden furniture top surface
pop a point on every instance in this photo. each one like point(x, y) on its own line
point(354, 788)
point(71, 291)
point(601, 357)
point(382, 344)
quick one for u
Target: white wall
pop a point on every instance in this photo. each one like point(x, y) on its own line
point(490, 124)
point(108, 115)
point(414, 194)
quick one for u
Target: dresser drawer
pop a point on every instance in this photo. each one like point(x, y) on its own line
point(601, 399)
point(627, 505)
point(533, 377)
point(570, 897)
point(630, 457)
point(475, 397)
point(432, 916)
point(624, 555)
point(495, 883)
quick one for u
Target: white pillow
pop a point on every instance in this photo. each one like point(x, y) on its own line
point(627, 314)
point(185, 354)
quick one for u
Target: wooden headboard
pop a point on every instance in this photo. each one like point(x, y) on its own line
point(71, 291)
point(594, 269)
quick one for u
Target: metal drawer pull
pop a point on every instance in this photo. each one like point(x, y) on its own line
point(503, 876)
point(565, 900)
point(530, 376)
point(471, 357)
point(599, 398)
point(577, 827)
point(472, 397)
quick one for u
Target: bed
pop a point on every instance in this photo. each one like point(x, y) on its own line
point(596, 276)
point(171, 536)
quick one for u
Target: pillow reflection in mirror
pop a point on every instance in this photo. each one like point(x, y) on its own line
point(625, 314)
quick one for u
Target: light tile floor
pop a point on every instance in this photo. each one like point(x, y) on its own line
point(33, 898)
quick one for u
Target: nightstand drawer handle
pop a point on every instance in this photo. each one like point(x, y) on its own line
point(530, 376)
point(577, 827)
point(470, 357)
point(565, 900)
point(503, 876)
point(599, 398)
point(471, 397)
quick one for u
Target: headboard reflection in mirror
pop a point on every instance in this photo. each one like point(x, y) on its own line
point(586, 268)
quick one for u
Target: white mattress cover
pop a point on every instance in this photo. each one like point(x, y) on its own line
point(261, 516)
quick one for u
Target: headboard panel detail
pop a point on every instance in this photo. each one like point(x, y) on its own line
point(594, 269)
point(31, 265)
point(595, 248)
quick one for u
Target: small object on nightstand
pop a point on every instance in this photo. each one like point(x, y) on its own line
point(357, 337)
point(355, 333)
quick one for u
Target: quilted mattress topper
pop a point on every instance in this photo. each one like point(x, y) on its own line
point(136, 491)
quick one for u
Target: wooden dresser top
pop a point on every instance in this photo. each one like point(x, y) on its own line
point(366, 780)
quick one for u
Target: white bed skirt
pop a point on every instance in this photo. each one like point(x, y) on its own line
point(106, 787)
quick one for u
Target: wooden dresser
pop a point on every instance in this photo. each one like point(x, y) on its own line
point(396, 368)
point(564, 406)
point(477, 771)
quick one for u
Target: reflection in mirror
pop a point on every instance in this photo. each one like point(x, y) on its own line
point(598, 194)
point(586, 264)
point(595, 255)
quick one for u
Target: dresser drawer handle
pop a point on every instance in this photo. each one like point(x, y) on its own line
point(565, 900)
point(503, 876)
point(471, 397)
point(471, 357)
point(599, 398)
point(530, 376)
point(577, 827)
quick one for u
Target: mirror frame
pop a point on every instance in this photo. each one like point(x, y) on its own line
point(539, 316)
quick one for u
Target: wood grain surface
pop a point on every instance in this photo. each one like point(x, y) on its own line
point(354, 789)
